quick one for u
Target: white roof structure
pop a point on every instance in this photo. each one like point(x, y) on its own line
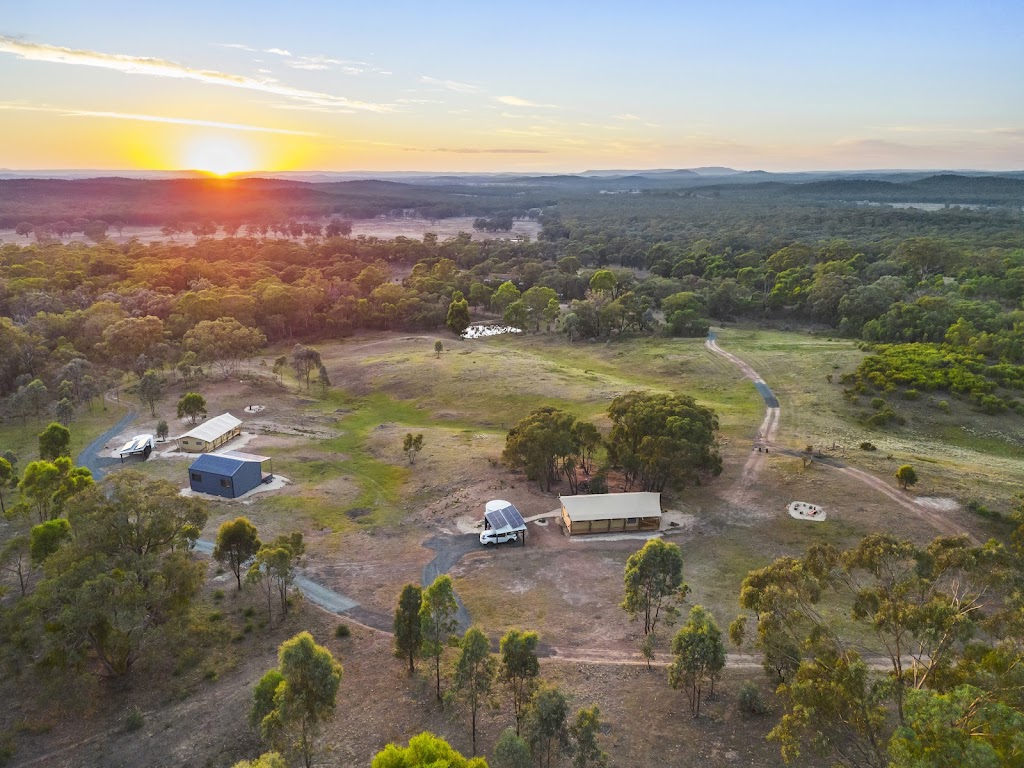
point(213, 428)
point(137, 444)
point(612, 506)
point(244, 456)
point(502, 516)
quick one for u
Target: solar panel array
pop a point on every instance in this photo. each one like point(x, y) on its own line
point(506, 517)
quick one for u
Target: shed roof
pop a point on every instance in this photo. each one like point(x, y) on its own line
point(612, 506)
point(213, 428)
point(218, 464)
point(502, 514)
point(245, 456)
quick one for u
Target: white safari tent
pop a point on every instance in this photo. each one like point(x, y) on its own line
point(210, 435)
point(611, 512)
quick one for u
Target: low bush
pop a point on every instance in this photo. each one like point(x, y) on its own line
point(134, 721)
point(342, 631)
point(981, 510)
point(884, 418)
point(751, 701)
point(868, 446)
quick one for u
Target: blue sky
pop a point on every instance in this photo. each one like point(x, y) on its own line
point(524, 86)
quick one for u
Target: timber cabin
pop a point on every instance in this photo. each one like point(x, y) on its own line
point(611, 513)
point(210, 435)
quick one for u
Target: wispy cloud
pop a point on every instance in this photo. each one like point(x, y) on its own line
point(154, 67)
point(947, 129)
point(451, 85)
point(319, 63)
point(626, 116)
point(515, 101)
point(250, 49)
point(151, 119)
point(482, 151)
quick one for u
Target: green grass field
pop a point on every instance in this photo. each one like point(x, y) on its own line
point(23, 439)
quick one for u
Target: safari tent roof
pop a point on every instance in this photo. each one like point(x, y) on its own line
point(502, 515)
point(213, 428)
point(612, 506)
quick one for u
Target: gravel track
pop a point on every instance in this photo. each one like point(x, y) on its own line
point(742, 490)
point(90, 456)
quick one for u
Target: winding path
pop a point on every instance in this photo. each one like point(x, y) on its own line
point(742, 492)
point(90, 456)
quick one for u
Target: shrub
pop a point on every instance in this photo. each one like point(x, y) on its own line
point(868, 446)
point(218, 594)
point(878, 403)
point(911, 394)
point(751, 701)
point(134, 721)
point(943, 405)
point(342, 631)
point(991, 404)
point(884, 418)
point(981, 510)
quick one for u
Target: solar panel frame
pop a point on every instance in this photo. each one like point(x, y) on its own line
point(506, 517)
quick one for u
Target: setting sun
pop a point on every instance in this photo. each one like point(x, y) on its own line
point(220, 155)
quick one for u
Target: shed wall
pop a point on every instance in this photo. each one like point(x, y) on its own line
point(211, 482)
point(617, 525)
point(247, 477)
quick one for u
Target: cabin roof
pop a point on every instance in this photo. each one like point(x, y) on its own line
point(213, 428)
point(612, 506)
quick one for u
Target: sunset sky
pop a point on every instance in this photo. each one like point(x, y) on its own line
point(552, 86)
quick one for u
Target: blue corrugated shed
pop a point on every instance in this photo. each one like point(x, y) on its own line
point(227, 476)
point(218, 464)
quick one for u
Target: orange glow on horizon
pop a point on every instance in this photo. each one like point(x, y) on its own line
point(219, 155)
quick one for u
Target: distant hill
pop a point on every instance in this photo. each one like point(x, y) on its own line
point(162, 201)
point(156, 202)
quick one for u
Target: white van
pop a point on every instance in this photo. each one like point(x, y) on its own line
point(494, 537)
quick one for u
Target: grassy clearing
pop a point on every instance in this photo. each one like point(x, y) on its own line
point(963, 446)
point(89, 424)
point(493, 383)
point(379, 482)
